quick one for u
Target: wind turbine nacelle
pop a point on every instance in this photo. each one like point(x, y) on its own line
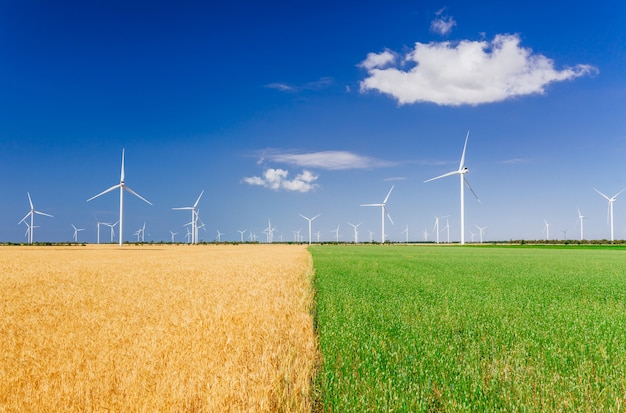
point(464, 170)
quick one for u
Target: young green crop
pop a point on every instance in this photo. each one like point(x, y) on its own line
point(439, 328)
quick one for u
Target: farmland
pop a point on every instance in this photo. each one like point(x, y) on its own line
point(470, 328)
point(147, 328)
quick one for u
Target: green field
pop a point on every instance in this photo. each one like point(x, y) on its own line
point(450, 328)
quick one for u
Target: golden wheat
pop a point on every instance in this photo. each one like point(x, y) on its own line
point(156, 328)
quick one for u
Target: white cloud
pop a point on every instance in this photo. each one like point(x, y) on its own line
point(442, 25)
point(276, 179)
point(319, 84)
point(378, 60)
point(465, 72)
point(333, 160)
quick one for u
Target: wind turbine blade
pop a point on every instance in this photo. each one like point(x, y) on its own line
point(122, 173)
point(182, 208)
point(389, 216)
point(442, 176)
point(104, 192)
point(372, 204)
point(24, 219)
point(137, 195)
point(198, 200)
point(43, 213)
point(389, 193)
point(316, 216)
point(615, 196)
point(470, 188)
point(30, 200)
point(463, 155)
point(607, 198)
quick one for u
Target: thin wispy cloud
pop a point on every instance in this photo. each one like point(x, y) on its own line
point(465, 72)
point(320, 84)
point(442, 24)
point(331, 160)
point(277, 179)
point(514, 161)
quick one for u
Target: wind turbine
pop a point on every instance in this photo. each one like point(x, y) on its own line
point(406, 232)
point(112, 226)
point(241, 233)
point(317, 234)
point(76, 231)
point(383, 209)
point(296, 235)
point(194, 218)
point(336, 231)
point(122, 186)
point(580, 218)
point(269, 231)
point(32, 213)
point(461, 172)
point(611, 201)
point(173, 233)
point(436, 229)
point(547, 228)
point(447, 228)
point(219, 236)
point(425, 235)
point(356, 232)
point(371, 235)
point(310, 221)
point(481, 229)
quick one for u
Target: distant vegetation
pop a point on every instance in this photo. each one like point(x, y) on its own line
point(465, 329)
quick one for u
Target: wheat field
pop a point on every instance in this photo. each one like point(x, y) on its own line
point(156, 328)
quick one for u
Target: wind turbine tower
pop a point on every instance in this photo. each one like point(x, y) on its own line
point(580, 218)
point(461, 172)
point(122, 186)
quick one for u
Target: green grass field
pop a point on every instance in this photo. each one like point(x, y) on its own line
point(449, 328)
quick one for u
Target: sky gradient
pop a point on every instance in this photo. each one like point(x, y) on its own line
point(312, 108)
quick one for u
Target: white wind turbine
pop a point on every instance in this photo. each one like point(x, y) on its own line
point(611, 200)
point(580, 218)
point(425, 235)
point(241, 233)
point(336, 231)
point(481, 229)
point(356, 232)
point(31, 214)
point(76, 231)
point(547, 229)
point(461, 172)
point(296, 235)
point(310, 221)
point(383, 209)
point(436, 229)
point(447, 228)
point(317, 234)
point(219, 236)
point(371, 235)
point(112, 227)
point(122, 186)
point(406, 232)
point(173, 233)
point(194, 218)
point(269, 231)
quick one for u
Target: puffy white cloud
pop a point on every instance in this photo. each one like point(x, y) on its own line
point(276, 179)
point(378, 60)
point(465, 72)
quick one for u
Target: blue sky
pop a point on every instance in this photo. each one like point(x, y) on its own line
point(310, 108)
